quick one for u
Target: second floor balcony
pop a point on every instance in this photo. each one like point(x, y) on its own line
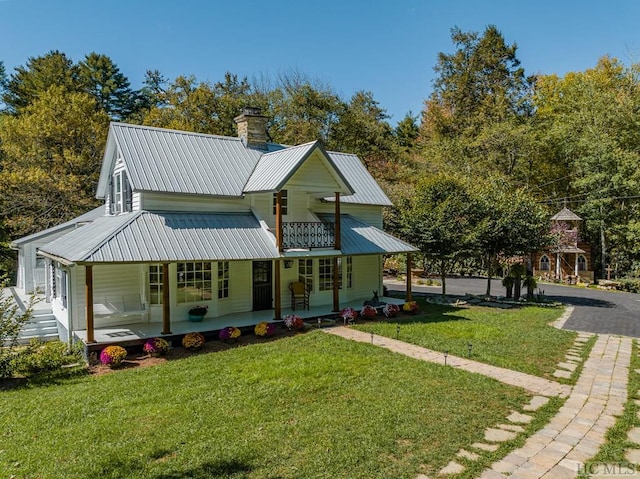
point(309, 235)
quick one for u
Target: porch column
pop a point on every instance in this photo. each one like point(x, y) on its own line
point(336, 294)
point(88, 289)
point(337, 222)
point(278, 299)
point(576, 267)
point(279, 220)
point(166, 307)
point(558, 275)
point(408, 295)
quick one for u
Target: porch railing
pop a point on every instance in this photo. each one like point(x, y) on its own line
point(308, 235)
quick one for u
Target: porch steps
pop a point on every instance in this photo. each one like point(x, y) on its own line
point(42, 326)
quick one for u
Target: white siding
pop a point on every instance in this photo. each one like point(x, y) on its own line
point(368, 214)
point(191, 203)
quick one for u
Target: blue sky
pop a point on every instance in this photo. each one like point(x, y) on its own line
point(386, 47)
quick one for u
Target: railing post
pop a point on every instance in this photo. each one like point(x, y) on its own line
point(166, 307)
point(279, 220)
point(88, 282)
point(336, 231)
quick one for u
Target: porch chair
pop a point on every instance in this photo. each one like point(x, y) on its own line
point(299, 294)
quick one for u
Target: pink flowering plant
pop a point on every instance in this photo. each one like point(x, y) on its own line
point(156, 346)
point(368, 312)
point(264, 329)
point(229, 333)
point(293, 321)
point(348, 314)
point(390, 310)
point(112, 355)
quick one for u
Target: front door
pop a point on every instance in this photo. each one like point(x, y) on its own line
point(262, 287)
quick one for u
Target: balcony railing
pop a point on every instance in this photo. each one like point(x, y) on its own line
point(308, 235)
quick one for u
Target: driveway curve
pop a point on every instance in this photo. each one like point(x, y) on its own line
point(596, 311)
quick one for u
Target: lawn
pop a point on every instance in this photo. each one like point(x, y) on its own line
point(519, 339)
point(307, 406)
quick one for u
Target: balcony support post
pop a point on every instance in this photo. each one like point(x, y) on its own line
point(336, 232)
point(279, 221)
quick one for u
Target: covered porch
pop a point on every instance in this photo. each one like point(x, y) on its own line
point(136, 333)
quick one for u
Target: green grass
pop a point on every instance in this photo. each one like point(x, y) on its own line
point(519, 339)
point(308, 406)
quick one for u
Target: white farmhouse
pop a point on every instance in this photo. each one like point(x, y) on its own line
point(202, 220)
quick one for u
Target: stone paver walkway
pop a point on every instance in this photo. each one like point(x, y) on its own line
point(576, 433)
point(534, 384)
point(573, 436)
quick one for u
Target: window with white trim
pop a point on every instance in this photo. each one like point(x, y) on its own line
point(325, 274)
point(155, 284)
point(194, 282)
point(305, 272)
point(223, 279)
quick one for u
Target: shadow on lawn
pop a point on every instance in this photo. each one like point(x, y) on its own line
point(221, 468)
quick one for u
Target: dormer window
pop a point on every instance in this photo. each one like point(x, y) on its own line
point(120, 193)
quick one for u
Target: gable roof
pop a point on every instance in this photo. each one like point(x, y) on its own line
point(74, 223)
point(565, 214)
point(274, 169)
point(172, 161)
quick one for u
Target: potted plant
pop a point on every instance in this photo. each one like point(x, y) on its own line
point(193, 341)
point(264, 329)
point(293, 321)
point(390, 310)
point(156, 347)
point(112, 356)
point(197, 313)
point(368, 312)
point(229, 334)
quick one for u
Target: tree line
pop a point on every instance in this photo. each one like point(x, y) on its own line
point(474, 177)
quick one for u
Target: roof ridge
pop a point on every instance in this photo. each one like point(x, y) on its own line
point(172, 130)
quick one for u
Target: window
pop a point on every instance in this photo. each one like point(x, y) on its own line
point(60, 285)
point(120, 193)
point(194, 282)
point(155, 284)
point(325, 274)
point(349, 272)
point(223, 279)
point(544, 263)
point(284, 201)
point(582, 263)
point(305, 272)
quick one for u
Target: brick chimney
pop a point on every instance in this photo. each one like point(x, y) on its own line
point(252, 128)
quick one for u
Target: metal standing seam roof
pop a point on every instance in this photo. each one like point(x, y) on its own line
point(367, 190)
point(274, 169)
point(155, 237)
point(358, 238)
point(76, 222)
point(174, 161)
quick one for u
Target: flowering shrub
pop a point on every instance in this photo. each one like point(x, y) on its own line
point(348, 314)
point(264, 329)
point(293, 321)
point(156, 345)
point(112, 355)
point(193, 341)
point(368, 312)
point(410, 307)
point(229, 333)
point(390, 310)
